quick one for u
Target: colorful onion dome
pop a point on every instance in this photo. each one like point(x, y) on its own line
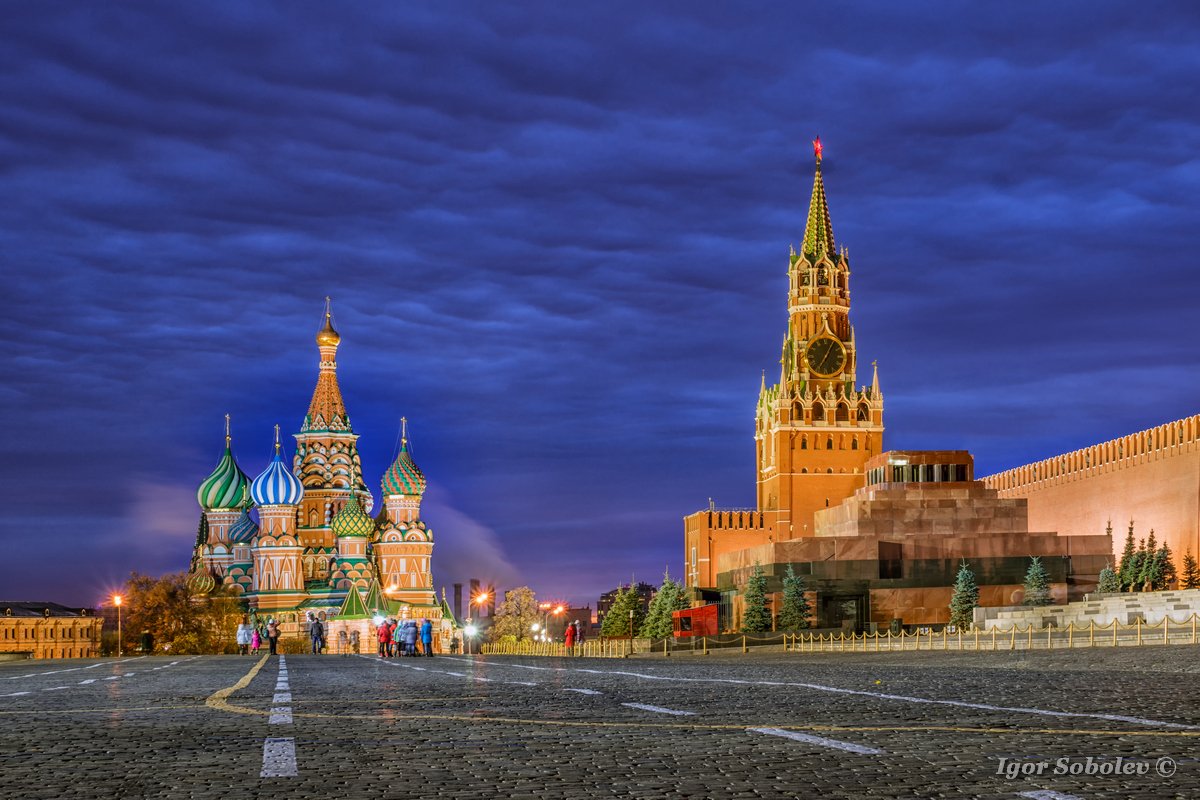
point(226, 487)
point(244, 529)
point(277, 486)
point(403, 477)
point(327, 335)
point(352, 520)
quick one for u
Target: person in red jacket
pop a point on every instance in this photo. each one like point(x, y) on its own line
point(385, 638)
point(570, 639)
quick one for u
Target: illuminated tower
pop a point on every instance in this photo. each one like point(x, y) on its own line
point(404, 544)
point(353, 528)
point(224, 495)
point(814, 430)
point(326, 461)
point(278, 574)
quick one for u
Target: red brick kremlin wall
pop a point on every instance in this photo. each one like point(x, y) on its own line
point(1151, 477)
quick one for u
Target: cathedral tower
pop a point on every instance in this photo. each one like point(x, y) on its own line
point(278, 573)
point(224, 496)
point(404, 545)
point(327, 460)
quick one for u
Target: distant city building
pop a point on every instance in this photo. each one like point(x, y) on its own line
point(48, 630)
point(645, 594)
point(878, 536)
point(314, 543)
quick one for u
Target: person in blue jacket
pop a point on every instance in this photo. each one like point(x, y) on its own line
point(427, 636)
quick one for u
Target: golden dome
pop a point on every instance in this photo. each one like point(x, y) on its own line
point(327, 335)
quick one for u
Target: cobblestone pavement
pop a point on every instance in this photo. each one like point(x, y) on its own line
point(758, 726)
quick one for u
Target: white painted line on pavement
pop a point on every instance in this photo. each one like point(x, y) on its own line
point(660, 709)
point(584, 691)
point(281, 716)
point(1046, 794)
point(282, 697)
point(279, 758)
point(72, 669)
point(820, 741)
point(89, 680)
point(112, 677)
point(877, 695)
point(14, 694)
point(55, 688)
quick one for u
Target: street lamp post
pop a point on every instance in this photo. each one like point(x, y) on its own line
point(471, 630)
point(117, 602)
point(631, 631)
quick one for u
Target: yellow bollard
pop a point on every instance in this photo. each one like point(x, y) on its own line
point(705, 642)
point(1092, 634)
point(1193, 627)
point(1116, 626)
point(1049, 633)
point(1070, 635)
point(1139, 631)
point(744, 650)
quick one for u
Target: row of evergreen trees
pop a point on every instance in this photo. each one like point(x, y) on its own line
point(1148, 567)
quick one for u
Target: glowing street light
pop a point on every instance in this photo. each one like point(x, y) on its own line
point(117, 599)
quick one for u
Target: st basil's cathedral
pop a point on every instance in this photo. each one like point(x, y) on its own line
point(314, 547)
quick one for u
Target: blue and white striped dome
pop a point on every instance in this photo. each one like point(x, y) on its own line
point(243, 530)
point(277, 486)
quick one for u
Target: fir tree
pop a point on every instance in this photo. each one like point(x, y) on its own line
point(1190, 579)
point(1136, 567)
point(1109, 582)
point(1169, 575)
point(1125, 565)
point(1037, 584)
point(793, 616)
point(965, 598)
point(616, 621)
point(1151, 566)
point(659, 623)
point(756, 617)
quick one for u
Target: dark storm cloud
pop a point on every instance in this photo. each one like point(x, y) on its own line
point(556, 241)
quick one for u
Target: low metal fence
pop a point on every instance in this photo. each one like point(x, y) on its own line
point(1015, 637)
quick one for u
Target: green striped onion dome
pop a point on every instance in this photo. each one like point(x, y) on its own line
point(244, 529)
point(226, 487)
point(403, 477)
point(352, 520)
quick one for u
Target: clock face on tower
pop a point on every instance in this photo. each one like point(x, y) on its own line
point(826, 356)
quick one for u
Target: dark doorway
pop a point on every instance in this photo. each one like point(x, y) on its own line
point(847, 612)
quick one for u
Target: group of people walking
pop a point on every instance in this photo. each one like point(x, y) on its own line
point(250, 637)
point(400, 638)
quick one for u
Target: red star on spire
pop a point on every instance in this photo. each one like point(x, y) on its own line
point(817, 148)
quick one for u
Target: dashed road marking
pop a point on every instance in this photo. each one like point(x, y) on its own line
point(1046, 794)
point(55, 688)
point(877, 695)
point(14, 694)
point(279, 758)
point(282, 697)
point(584, 691)
point(89, 680)
point(71, 669)
point(820, 741)
point(281, 716)
point(660, 709)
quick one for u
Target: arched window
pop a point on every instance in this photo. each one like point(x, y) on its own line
point(818, 412)
point(803, 442)
point(854, 443)
point(829, 443)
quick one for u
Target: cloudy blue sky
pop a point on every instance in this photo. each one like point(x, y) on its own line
point(556, 238)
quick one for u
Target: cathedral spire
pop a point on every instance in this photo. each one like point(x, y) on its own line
point(327, 410)
point(818, 232)
point(874, 379)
